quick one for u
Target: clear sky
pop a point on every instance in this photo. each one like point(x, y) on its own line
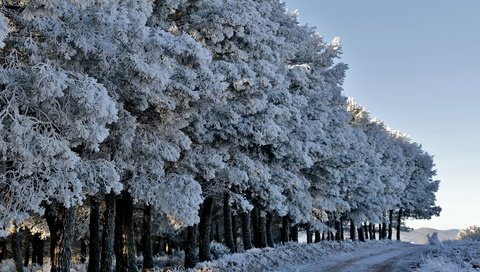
point(416, 66)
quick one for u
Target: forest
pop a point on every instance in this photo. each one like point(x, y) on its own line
point(139, 127)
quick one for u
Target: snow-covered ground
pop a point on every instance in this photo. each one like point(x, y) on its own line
point(452, 256)
point(325, 256)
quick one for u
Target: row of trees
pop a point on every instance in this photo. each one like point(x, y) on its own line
point(180, 108)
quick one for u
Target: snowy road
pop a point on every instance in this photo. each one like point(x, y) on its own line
point(400, 257)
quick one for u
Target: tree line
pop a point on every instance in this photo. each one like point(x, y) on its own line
point(205, 117)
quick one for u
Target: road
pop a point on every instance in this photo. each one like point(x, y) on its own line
point(400, 257)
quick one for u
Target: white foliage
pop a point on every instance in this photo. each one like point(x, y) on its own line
point(4, 29)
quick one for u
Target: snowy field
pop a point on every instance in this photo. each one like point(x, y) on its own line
point(348, 256)
point(453, 256)
point(325, 256)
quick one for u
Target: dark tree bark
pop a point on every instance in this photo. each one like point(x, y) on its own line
point(204, 230)
point(227, 222)
point(168, 245)
point(370, 231)
point(365, 230)
point(108, 237)
point(51, 214)
point(330, 236)
point(384, 230)
point(17, 249)
point(399, 223)
point(26, 256)
point(147, 238)
point(190, 245)
point(380, 231)
point(373, 232)
point(390, 224)
point(318, 237)
point(246, 231)
point(285, 235)
point(337, 230)
point(37, 249)
point(352, 230)
point(255, 227)
point(66, 242)
point(94, 239)
point(262, 230)
point(3, 249)
point(323, 236)
point(124, 234)
point(83, 250)
point(309, 233)
point(234, 232)
point(217, 231)
point(160, 249)
point(61, 223)
point(294, 233)
point(342, 231)
point(361, 238)
point(269, 230)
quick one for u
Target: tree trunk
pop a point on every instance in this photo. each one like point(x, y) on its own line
point(342, 232)
point(285, 229)
point(168, 245)
point(160, 246)
point(17, 249)
point(124, 234)
point(318, 238)
point(294, 233)
point(390, 224)
point(26, 258)
point(309, 233)
point(269, 230)
point(330, 236)
point(51, 214)
point(204, 230)
point(190, 245)
point(3, 249)
point(323, 236)
point(37, 249)
point(147, 238)
point(399, 223)
point(94, 239)
point(361, 238)
point(246, 231)
point(108, 237)
point(262, 229)
point(255, 227)
point(83, 250)
point(61, 222)
point(384, 230)
point(352, 230)
point(66, 242)
point(217, 231)
point(227, 222)
point(337, 230)
point(234, 232)
point(365, 230)
point(373, 232)
point(370, 231)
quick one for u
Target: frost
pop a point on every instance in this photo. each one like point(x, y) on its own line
point(4, 29)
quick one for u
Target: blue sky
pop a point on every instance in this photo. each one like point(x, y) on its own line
point(416, 66)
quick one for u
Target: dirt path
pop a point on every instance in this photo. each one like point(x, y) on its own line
point(400, 257)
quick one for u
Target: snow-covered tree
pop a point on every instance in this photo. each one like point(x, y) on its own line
point(469, 233)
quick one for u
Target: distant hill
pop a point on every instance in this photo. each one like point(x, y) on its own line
point(419, 236)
